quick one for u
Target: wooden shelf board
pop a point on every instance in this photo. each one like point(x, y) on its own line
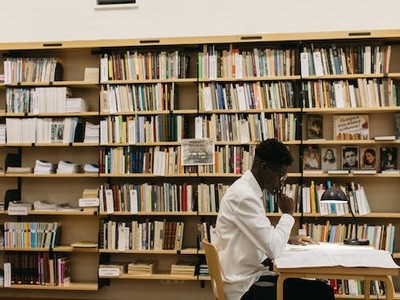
point(250, 111)
point(354, 110)
point(141, 175)
point(148, 81)
point(72, 286)
point(156, 276)
point(151, 112)
point(260, 78)
point(343, 76)
point(71, 83)
point(347, 142)
point(152, 213)
point(31, 175)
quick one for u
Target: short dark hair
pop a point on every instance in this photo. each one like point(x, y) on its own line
point(274, 152)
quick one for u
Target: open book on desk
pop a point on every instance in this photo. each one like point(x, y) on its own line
point(332, 254)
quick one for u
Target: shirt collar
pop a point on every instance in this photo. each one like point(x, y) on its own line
point(249, 176)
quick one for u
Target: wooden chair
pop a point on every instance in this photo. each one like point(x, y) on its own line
point(215, 270)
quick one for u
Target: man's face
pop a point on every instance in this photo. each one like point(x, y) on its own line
point(274, 178)
point(350, 157)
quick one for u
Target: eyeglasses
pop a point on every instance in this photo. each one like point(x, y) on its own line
point(282, 175)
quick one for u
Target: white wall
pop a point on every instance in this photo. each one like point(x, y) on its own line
point(54, 20)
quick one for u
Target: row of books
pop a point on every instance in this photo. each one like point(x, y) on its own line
point(244, 128)
point(361, 92)
point(380, 236)
point(17, 70)
point(233, 63)
point(311, 199)
point(46, 167)
point(31, 234)
point(146, 198)
point(43, 100)
point(230, 160)
point(142, 129)
point(245, 96)
point(155, 160)
point(346, 159)
point(142, 66)
point(42, 268)
point(43, 130)
point(148, 235)
point(138, 97)
point(144, 267)
point(355, 287)
point(333, 60)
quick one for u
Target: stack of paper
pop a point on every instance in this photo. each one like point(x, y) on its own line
point(42, 205)
point(91, 168)
point(141, 267)
point(44, 167)
point(92, 133)
point(183, 268)
point(76, 105)
point(2, 133)
point(66, 167)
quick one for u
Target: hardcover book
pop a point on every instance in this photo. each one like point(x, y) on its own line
point(350, 157)
point(311, 158)
point(368, 158)
point(329, 159)
point(351, 127)
point(314, 127)
point(388, 159)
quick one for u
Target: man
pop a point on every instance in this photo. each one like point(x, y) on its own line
point(350, 158)
point(244, 235)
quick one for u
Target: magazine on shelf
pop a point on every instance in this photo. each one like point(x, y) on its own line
point(351, 127)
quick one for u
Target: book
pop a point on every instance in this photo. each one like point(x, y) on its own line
point(368, 158)
point(363, 172)
point(329, 159)
point(311, 158)
point(84, 244)
point(314, 127)
point(385, 138)
point(397, 123)
point(338, 172)
point(350, 157)
point(351, 127)
point(142, 267)
point(388, 158)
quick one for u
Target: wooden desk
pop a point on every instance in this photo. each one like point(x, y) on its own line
point(337, 261)
point(363, 273)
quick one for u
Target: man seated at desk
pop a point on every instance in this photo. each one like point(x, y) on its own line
point(245, 236)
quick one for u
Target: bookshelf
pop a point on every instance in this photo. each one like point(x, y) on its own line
point(212, 88)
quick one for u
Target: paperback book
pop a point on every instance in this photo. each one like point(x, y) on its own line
point(351, 127)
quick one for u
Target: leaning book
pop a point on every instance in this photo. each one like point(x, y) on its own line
point(351, 127)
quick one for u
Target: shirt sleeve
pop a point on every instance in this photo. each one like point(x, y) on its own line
point(251, 220)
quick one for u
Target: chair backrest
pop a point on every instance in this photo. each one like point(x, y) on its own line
point(215, 270)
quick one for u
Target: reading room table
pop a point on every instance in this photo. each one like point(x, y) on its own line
point(337, 261)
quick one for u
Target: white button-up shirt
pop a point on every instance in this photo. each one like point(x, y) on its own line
point(245, 236)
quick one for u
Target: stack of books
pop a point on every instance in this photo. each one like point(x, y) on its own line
point(141, 267)
point(91, 168)
point(203, 270)
point(112, 269)
point(44, 206)
point(66, 167)
point(76, 105)
point(44, 167)
point(19, 170)
point(2, 133)
point(92, 133)
point(183, 269)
